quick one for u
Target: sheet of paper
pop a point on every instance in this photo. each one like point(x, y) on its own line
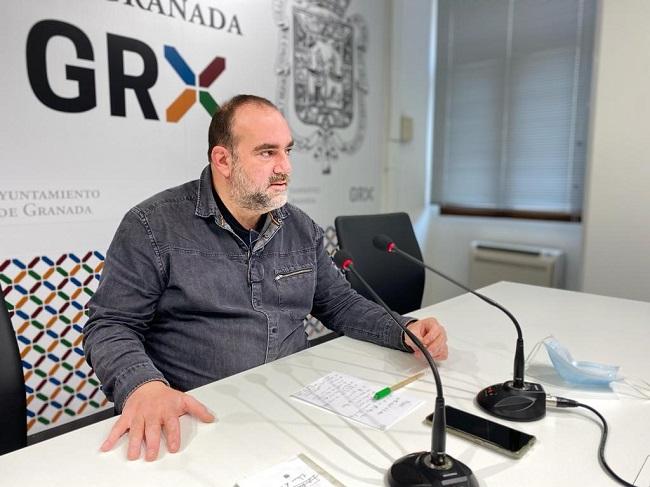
point(352, 398)
point(300, 471)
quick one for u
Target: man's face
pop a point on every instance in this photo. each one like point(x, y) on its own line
point(260, 161)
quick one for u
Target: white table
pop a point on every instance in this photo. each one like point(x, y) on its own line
point(260, 425)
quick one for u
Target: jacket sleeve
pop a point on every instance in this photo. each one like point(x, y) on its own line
point(131, 283)
point(343, 310)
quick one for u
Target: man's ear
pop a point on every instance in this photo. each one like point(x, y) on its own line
point(221, 160)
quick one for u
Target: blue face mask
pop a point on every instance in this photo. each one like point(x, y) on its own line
point(575, 372)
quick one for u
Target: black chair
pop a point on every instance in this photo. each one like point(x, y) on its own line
point(13, 407)
point(397, 281)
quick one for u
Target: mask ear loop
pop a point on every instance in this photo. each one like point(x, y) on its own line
point(533, 352)
point(639, 385)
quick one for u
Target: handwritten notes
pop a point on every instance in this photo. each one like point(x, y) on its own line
point(300, 471)
point(352, 398)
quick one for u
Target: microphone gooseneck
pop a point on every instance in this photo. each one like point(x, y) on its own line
point(516, 400)
point(434, 468)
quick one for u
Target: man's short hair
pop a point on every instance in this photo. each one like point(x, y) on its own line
point(220, 131)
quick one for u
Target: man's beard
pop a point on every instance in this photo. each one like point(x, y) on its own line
point(256, 199)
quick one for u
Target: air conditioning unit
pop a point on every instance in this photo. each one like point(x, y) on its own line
point(492, 262)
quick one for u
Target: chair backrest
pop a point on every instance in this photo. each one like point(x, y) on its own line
point(13, 407)
point(397, 281)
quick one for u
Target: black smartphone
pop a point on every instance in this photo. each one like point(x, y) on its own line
point(485, 432)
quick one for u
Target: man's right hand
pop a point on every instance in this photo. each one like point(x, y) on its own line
point(151, 409)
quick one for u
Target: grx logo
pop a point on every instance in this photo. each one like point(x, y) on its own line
point(187, 98)
point(84, 96)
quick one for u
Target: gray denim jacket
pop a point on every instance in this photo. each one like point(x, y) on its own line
point(184, 300)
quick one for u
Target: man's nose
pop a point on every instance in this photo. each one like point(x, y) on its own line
point(284, 164)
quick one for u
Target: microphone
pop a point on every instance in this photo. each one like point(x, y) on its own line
point(515, 400)
point(421, 469)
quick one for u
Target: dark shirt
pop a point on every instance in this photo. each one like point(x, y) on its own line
point(249, 237)
point(182, 299)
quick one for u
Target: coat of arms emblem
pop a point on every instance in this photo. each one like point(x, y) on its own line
point(322, 76)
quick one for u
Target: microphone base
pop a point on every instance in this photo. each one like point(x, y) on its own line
point(417, 470)
point(514, 403)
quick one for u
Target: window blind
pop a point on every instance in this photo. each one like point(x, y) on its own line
point(512, 93)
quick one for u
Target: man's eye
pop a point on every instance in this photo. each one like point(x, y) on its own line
point(266, 153)
point(288, 150)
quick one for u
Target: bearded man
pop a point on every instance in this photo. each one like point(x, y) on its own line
point(216, 276)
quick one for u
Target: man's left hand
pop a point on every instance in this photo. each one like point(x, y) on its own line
point(432, 334)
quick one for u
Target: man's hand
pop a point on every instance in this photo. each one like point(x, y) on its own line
point(431, 334)
point(151, 409)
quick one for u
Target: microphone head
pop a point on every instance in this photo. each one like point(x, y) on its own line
point(383, 242)
point(343, 259)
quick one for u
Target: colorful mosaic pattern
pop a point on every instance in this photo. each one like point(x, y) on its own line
point(47, 300)
point(331, 242)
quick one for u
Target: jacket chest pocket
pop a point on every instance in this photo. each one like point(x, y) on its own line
point(296, 285)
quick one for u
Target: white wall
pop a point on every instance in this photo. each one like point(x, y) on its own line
point(447, 242)
point(444, 240)
point(617, 221)
point(411, 95)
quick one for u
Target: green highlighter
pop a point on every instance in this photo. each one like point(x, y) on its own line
point(387, 390)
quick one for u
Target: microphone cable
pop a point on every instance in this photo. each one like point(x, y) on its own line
point(563, 402)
